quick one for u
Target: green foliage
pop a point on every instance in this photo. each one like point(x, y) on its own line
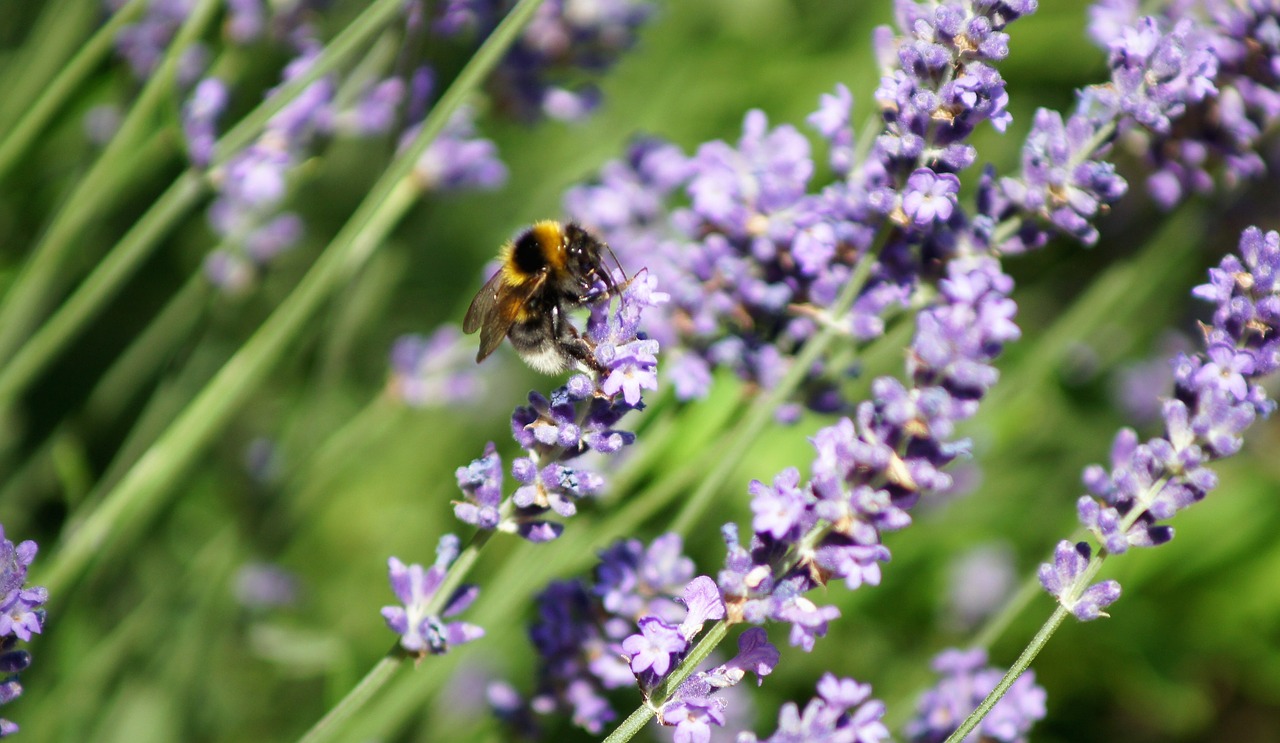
point(148, 643)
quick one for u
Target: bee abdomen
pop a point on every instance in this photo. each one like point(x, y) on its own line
point(535, 340)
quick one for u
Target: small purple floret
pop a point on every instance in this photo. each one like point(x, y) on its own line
point(423, 632)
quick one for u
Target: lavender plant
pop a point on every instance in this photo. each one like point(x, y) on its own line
point(21, 616)
point(876, 273)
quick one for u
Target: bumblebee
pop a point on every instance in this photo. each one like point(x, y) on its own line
point(546, 271)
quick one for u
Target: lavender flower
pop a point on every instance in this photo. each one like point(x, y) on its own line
point(653, 648)
point(1215, 398)
point(1061, 182)
point(577, 418)
point(435, 370)
point(870, 470)
point(965, 682)
point(842, 711)
point(929, 197)
point(455, 17)
point(578, 657)
point(635, 620)
point(246, 20)
point(422, 632)
point(253, 185)
point(1193, 87)
point(1063, 578)
point(634, 581)
point(541, 75)
point(759, 255)
point(1216, 66)
point(21, 616)
point(865, 477)
point(375, 109)
point(700, 702)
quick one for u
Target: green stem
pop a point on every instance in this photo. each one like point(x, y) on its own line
point(157, 343)
point(373, 681)
point(36, 118)
point(1029, 654)
point(96, 290)
point(145, 485)
point(38, 268)
point(30, 293)
point(994, 627)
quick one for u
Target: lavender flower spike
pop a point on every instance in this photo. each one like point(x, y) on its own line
point(1215, 398)
point(422, 632)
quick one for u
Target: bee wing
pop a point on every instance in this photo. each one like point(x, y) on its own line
point(484, 305)
point(494, 310)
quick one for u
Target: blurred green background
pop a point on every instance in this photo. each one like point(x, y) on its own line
point(153, 645)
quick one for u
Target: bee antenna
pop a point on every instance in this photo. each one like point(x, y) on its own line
point(625, 279)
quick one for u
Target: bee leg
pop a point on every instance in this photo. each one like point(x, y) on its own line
point(573, 346)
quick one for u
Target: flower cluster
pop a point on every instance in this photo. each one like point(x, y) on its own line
point(966, 681)
point(871, 469)
point(868, 472)
point(1215, 398)
point(420, 620)
point(758, 258)
point(21, 616)
point(435, 370)
point(1193, 87)
point(634, 621)
point(842, 711)
point(1203, 78)
point(579, 417)
point(699, 704)
point(565, 37)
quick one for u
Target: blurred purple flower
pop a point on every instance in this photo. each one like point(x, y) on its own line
point(978, 583)
point(842, 711)
point(434, 370)
point(261, 585)
point(144, 42)
point(965, 682)
point(459, 159)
